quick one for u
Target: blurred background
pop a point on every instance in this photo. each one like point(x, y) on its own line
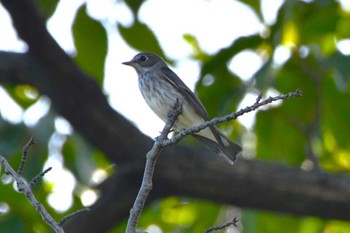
point(228, 52)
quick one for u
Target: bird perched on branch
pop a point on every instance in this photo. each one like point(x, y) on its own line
point(162, 88)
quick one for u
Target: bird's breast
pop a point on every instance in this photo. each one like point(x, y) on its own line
point(161, 96)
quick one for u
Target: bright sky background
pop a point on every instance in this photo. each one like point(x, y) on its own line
point(215, 24)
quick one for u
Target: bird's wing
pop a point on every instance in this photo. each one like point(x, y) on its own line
point(186, 92)
point(193, 100)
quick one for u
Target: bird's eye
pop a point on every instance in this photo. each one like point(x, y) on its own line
point(143, 58)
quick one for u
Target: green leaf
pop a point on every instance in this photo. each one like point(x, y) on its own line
point(282, 131)
point(268, 222)
point(22, 211)
point(254, 221)
point(91, 43)
point(223, 95)
point(134, 5)
point(174, 214)
point(340, 64)
point(278, 138)
point(316, 19)
point(199, 54)
point(141, 38)
point(13, 224)
point(18, 136)
point(337, 227)
point(23, 95)
point(336, 114)
point(47, 7)
point(293, 76)
point(312, 225)
point(343, 29)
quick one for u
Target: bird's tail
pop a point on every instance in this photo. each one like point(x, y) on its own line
point(224, 146)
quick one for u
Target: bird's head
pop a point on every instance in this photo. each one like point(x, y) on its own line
point(142, 62)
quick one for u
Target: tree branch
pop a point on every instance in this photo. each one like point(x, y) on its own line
point(152, 156)
point(19, 68)
point(25, 188)
point(217, 120)
point(233, 222)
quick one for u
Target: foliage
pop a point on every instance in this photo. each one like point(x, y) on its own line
point(291, 133)
point(91, 50)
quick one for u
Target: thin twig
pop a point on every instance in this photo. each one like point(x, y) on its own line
point(39, 176)
point(233, 222)
point(258, 98)
point(146, 185)
point(25, 188)
point(69, 216)
point(258, 103)
point(25, 154)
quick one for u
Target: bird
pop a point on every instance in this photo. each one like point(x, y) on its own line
point(162, 89)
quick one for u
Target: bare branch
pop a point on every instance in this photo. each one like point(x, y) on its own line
point(25, 154)
point(152, 156)
point(258, 103)
point(258, 98)
point(69, 216)
point(25, 188)
point(39, 176)
point(233, 222)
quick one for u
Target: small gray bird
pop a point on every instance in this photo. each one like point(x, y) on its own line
point(161, 88)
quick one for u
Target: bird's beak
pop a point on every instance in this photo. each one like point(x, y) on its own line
point(128, 63)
